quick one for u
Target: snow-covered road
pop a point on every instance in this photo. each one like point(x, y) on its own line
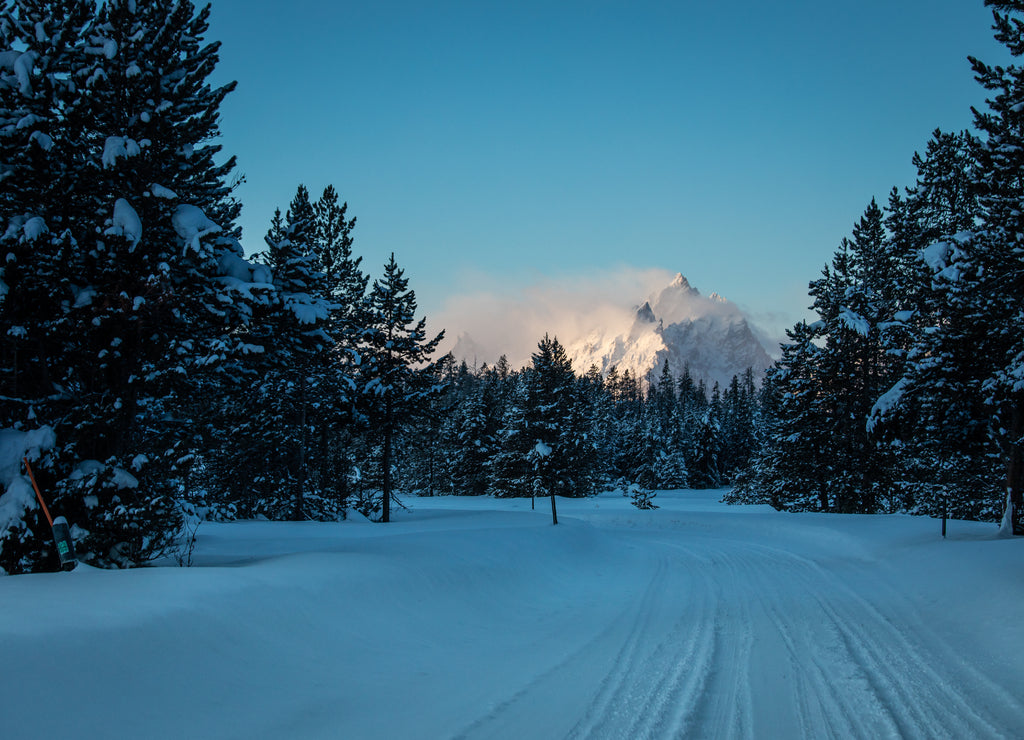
point(475, 618)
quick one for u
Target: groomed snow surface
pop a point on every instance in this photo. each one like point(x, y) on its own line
point(476, 618)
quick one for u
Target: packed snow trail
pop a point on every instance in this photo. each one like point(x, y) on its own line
point(476, 618)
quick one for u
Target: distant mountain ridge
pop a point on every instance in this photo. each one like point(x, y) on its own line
point(709, 335)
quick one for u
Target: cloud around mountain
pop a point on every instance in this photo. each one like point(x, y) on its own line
point(596, 317)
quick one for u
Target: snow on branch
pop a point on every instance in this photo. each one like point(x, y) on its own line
point(854, 322)
point(191, 224)
point(941, 256)
point(23, 71)
point(884, 405)
point(119, 146)
point(126, 222)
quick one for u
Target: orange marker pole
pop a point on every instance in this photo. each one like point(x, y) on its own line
point(39, 496)
point(61, 531)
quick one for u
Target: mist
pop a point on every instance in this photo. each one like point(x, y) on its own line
point(502, 318)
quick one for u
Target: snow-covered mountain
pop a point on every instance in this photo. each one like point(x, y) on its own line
point(708, 334)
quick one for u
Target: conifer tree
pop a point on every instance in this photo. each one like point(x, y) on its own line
point(345, 285)
point(474, 444)
point(706, 468)
point(786, 470)
point(960, 391)
point(269, 464)
point(146, 281)
point(562, 459)
point(397, 373)
point(927, 409)
point(509, 468)
point(993, 272)
point(739, 410)
point(852, 300)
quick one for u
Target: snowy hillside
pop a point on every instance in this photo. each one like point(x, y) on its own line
point(709, 334)
point(472, 618)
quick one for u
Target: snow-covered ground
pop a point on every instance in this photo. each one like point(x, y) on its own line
point(477, 618)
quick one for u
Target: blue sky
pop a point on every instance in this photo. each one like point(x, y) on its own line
point(510, 147)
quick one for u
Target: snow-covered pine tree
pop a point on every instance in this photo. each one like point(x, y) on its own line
point(739, 404)
point(945, 460)
point(509, 468)
point(856, 367)
point(267, 461)
point(853, 299)
point(149, 282)
point(992, 276)
point(785, 470)
point(473, 443)
point(579, 444)
point(708, 441)
point(346, 283)
point(396, 367)
point(41, 151)
point(652, 462)
point(336, 419)
point(604, 433)
point(562, 459)
point(692, 403)
point(963, 369)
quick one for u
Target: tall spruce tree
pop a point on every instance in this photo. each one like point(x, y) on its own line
point(397, 371)
point(786, 469)
point(960, 387)
point(992, 275)
point(345, 285)
point(941, 426)
point(268, 426)
point(136, 254)
point(509, 468)
point(563, 456)
point(853, 300)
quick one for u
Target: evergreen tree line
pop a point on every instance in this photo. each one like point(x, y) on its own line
point(545, 429)
point(906, 393)
point(152, 374)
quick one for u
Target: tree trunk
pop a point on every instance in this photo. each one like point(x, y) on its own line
point(300, 455)
point(324, 451)
point(1015, 469)
point(385, 515)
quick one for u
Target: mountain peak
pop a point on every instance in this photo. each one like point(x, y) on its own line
point(645, 313)
point(682, 283)
point(709, 335)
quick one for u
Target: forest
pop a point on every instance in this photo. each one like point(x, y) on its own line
point(157, 376)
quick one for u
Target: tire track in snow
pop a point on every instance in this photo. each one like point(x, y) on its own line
point(816, 705)
point(918, 701)
point(766, 643)
point(695, 676)
point(724, 706)
point(675, 669)
point(634, 621)
point(814, 662)
point(606, 708)
point(855, 672)
point(890, 661)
